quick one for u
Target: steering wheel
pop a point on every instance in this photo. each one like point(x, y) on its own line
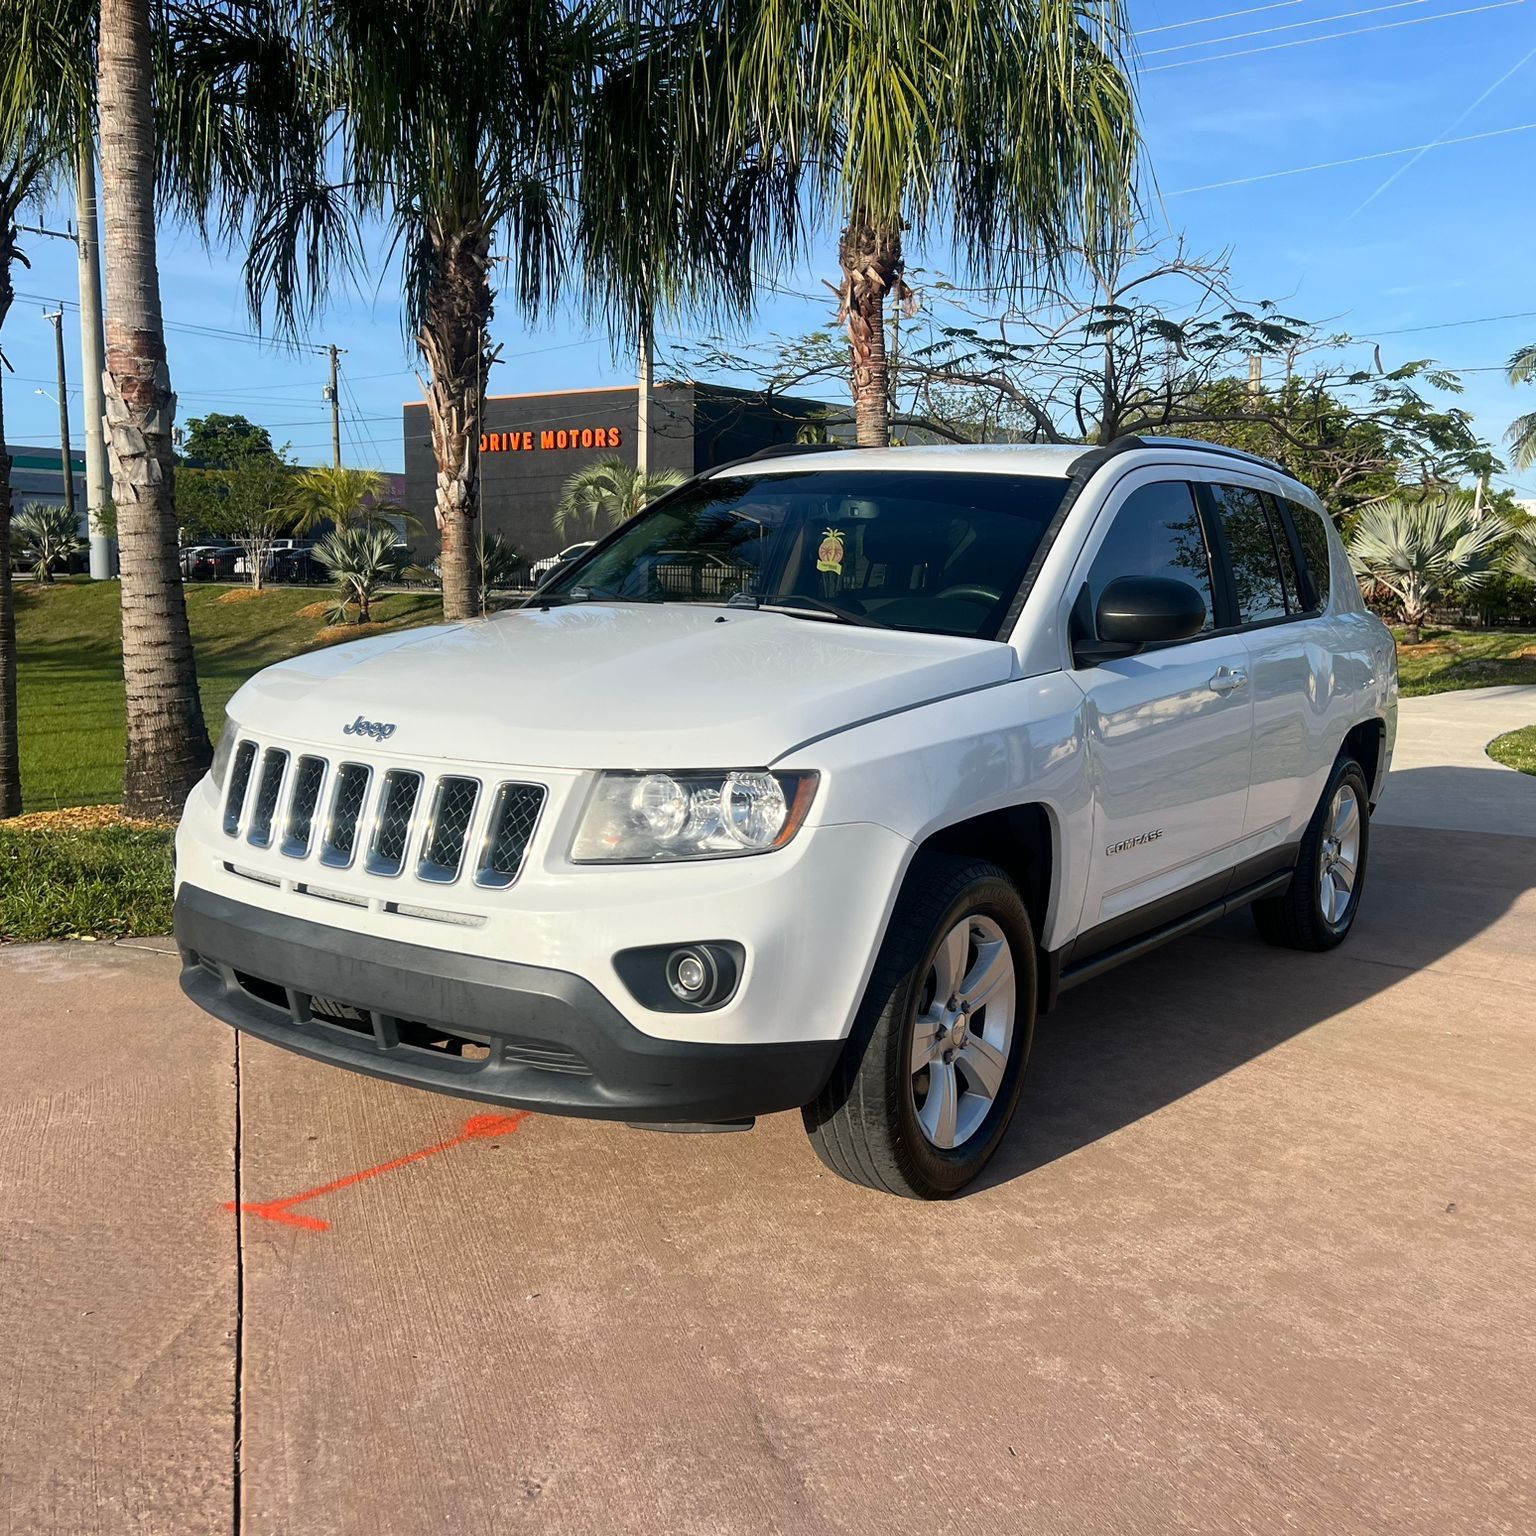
point(971, 589)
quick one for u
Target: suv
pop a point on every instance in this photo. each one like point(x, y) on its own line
point(957, 728)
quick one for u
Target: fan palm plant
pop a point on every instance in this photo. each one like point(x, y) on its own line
point(1009, 123)
point(343, 497)
point(1520, 555)
point(51, 533)
point(1422, 548)
point(360, 559)
point(606, 493)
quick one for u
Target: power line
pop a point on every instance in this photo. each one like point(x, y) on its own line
point(1329, 37)
point(1289, 26)
point(1466, 112)
point(1203, 21)
point(1329, 165)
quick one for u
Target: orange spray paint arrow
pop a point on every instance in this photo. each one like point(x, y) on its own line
point(476, 1128)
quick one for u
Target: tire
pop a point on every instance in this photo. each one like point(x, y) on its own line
point(1297, 918)
point(878, 1123)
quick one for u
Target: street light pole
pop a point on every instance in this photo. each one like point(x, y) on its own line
point(57, 316)
point(93, 361)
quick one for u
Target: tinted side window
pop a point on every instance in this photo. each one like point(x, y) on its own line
point(1294, 601)
point(1313, 534)
point(1156, 532)
point(1251, 549)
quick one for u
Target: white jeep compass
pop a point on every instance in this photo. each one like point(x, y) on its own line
point(810, 787)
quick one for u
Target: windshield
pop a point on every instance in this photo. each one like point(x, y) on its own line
point(939, 551)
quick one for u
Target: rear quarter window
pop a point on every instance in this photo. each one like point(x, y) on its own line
point(1313, 534)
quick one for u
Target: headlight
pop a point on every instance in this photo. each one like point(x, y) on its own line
point(636, 818)
point(222, 753)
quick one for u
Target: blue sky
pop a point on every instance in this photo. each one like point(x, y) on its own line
point(1247, 90)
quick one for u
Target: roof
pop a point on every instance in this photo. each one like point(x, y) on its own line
point(1055, 459)
point(1019, 458)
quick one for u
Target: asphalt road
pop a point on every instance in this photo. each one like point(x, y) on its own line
point(1258, 1256)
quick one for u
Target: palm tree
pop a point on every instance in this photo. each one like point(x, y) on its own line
point(453, 119)
point(1521, 437)
point(1011, 122)
point(168, 748)
point(43, 95)
point(1420, 548)
point(1521, 553)
point(343, 497)
point(607, 493)
point(361, 559)
point(53, 532)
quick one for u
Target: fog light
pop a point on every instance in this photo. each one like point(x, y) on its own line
point(693, 975)
point(683, 978)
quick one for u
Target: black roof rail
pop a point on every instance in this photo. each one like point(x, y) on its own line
point(1089, 460)
point(1200, 445)
point(774, 451)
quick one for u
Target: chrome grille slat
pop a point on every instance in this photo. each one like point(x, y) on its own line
point(269, 789)
point(339, 844)
point(393, 821)
point(508, 832)
point(239, 783)
point(299, 832)
point(453, 808)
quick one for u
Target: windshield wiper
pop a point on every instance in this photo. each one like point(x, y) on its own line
point(798, 602)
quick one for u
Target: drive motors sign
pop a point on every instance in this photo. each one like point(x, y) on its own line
point(556, 438)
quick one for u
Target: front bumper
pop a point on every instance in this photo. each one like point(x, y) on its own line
point(480, 1028)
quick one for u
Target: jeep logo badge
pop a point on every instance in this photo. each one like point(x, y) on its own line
point(377, 729)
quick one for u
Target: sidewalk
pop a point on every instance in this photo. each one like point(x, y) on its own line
point(1442, 775)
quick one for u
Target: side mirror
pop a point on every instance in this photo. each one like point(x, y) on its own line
point(1138, 611)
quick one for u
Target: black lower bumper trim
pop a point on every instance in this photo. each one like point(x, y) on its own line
point(530, 1038)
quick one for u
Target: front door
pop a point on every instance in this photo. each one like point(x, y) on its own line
point(1169, 730)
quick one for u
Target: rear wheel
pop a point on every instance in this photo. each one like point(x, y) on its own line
point(1318, 909)
point(931, 1074)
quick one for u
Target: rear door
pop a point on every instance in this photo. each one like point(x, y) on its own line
point(1169, 730)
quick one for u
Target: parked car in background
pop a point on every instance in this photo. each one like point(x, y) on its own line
point(551, 563)
point(972, 725)
point(211, 562)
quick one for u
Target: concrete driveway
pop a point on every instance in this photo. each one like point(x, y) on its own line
point(1258, 1256)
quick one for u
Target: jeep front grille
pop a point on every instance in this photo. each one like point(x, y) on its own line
point(397, 820)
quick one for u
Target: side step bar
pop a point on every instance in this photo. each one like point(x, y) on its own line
point(1131, 949)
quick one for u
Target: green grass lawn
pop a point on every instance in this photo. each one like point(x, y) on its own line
point(1516, 750)
point(71, 681)
point(78, 880)
point(1448, 659)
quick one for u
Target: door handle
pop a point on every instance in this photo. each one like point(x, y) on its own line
point(1227, 679)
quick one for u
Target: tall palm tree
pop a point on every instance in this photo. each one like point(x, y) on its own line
point(1423, 547)
point(452, 122)
point(168, 748)
point(606, 493)
point(1521, 437)
point(1008, 123)
point(43, 116)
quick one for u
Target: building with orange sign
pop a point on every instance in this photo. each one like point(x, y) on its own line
point(533, 443)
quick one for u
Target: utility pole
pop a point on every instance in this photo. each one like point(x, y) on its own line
point(332, 394)
point(643, 412)
point(93, 362)
point(57, 316)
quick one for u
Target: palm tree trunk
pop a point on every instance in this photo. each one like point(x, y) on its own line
point(168, 748)
point(10, 749)
point(871, 263)
point(456, 308)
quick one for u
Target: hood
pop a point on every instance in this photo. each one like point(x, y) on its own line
point(614, 686)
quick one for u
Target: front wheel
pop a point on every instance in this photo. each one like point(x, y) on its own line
point(930, 1077)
